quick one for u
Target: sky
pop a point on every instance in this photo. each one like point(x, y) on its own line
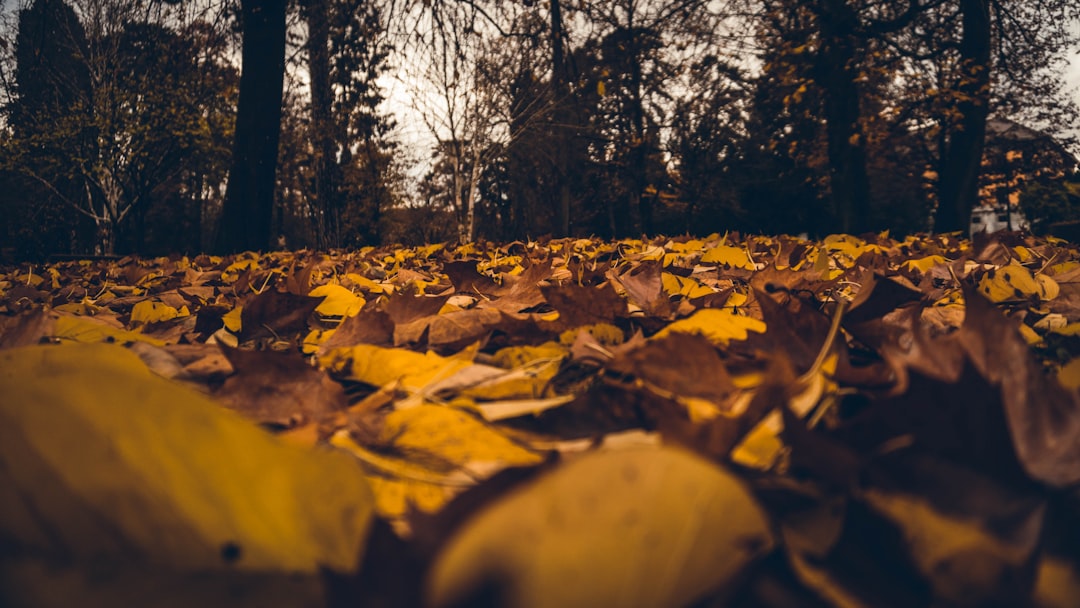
point(1072, 77)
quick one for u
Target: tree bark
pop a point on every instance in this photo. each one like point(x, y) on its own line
point(559, 80)
point(962, 159)
point(249, 197)
point(837, 75)
point(639, 150)
point(324, 163)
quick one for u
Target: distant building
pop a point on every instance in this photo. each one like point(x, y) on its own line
point(994, 219)
point(1015, 155)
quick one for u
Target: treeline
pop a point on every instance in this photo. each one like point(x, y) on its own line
point(196, 125)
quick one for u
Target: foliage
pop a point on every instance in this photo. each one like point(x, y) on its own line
point(1044, 204)
point(593, 413)
point(106, 121)
point(558, 118)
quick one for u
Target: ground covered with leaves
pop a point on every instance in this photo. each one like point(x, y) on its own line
point(728, 420)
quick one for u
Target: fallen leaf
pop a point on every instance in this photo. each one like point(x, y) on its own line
point(719, 325)
point(276, 314)
point(104, 462)
point(638, 527)
point(278, 389)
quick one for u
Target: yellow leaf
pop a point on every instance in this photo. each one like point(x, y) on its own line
point(448, 449)
point(1069, 375)
point(719, 325)
point(454, 436)
point(232, 272)
point(688, 246)
point(685, 286)
point(671, 283)
point(635, 527)
point(1064, 267)
point(727, 255)
point(736, 299)
point(315, 339)
point(380, 366)
point(338, 302)
point(525, 382)
point(516, 356)
point(122, 465)
point(1010, 282)
point(1030, 335)
point(231, 320)
point(149, 311)
point(923, 265)
point(1072, 329)
point(1048, 287)
point(368, 284)
point(761, 448)
point(399, 483)
point(82, 329)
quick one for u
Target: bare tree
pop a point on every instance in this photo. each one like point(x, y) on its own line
point(459, 87)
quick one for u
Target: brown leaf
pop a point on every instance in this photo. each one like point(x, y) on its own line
point(369, 326)
point(579, 305)
point(275, 313)
point(686, 365)
point(522, 292)
point(645, 288)
point(279, 389)
point(1044, 418)
point(465, 278)
point(404, 307)
point(24, 329)
point(449, 330)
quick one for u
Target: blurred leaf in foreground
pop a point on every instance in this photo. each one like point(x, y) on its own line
point(103, 462)
point(645, 527)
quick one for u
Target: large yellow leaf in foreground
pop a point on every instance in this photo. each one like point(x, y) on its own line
point(100, 460)
point(647, 527)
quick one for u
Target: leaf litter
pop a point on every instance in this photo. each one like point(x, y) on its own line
point(749, 421)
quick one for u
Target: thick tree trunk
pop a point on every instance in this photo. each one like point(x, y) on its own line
point(837, 75)
point(959, 186)
point(324, 162)
point(559, 80)
point(639, 158)
point(249, 197)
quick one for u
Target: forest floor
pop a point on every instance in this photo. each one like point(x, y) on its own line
point(730, 420)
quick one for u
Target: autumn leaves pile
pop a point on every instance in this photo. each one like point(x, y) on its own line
point(758, 420)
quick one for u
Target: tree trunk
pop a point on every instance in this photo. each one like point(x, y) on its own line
point(559, 80)
point(324, 162)
point(837, 75)
point(473, 193)
point(959, 186)
point(249, 197)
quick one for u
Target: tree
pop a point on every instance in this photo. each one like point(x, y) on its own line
point(639, 50)
point(460, 87)
point(934, 67)
point(362, 133)
point(111, 110)
point(1007, 58)
point(709, 139)
point(246, 217)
